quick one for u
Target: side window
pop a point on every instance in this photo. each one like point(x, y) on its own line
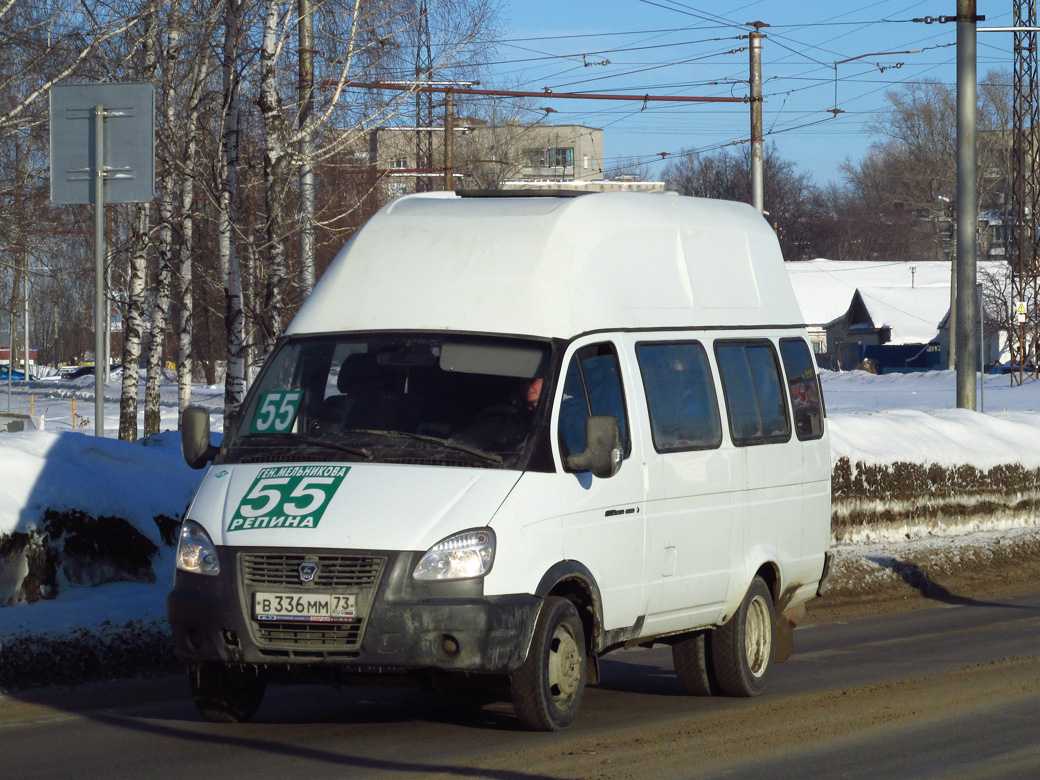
point(754, 398)
point(804, 386)
point(592, 385)
point(772, 405)
point(680, 396)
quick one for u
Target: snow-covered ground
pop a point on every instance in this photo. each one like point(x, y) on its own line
point(914, 417)
point(873, 419)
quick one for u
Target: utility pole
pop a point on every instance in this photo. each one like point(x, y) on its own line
point(1025, 189)
point(757, 177)
point(967, 205)
point(423, 100)
point(25, 305)
point(449, 141)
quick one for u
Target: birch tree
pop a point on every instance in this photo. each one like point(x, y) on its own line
point(231, 85)
point(186, 248)
point(227, 176)
point(161, 310)
point(42, 44)
point(276, 174)
point(133, 333)
point(305, 128)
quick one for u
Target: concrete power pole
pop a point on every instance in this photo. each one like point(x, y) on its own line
point(967, 205)
point(757, 178)
point(449, 141)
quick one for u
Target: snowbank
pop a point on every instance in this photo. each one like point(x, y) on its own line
point(44, 470)
point(947, 437)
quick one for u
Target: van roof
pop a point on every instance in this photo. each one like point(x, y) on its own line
point(554, 267)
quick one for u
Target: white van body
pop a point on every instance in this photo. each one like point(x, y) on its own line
point(610, 302)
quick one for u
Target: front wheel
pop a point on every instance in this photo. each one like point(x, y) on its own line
point(226, 694)
point(548, 687)
point(743, 649)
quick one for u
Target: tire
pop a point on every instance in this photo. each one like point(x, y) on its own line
point(691, 657)
point(226, 694)
point(742, 650)
point(549, 686)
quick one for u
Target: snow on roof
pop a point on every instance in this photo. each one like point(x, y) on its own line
point(910, 297)
point(913, 313)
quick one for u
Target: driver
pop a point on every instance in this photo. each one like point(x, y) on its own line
point(505, 427)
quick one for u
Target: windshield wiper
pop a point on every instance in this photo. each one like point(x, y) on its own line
point(299, 439)
point(452, 445)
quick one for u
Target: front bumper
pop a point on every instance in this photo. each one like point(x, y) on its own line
point(401, 624)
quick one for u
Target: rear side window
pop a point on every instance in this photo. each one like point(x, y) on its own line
point(755, 400)
point(591, 386)
point(680, 396)
point(804, 386)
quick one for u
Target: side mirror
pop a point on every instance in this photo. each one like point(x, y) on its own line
point(195, 444)
point(603, 451)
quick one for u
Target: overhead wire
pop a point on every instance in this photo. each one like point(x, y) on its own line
point(784, 36)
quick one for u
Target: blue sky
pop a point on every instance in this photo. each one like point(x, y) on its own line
point(680, 47)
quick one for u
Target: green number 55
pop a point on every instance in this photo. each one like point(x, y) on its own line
point(276, 411)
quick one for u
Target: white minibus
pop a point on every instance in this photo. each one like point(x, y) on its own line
point(505, 435)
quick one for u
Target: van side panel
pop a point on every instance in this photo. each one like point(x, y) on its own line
point(529, 536)
point(784, 500)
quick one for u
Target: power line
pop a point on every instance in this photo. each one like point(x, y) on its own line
point(787, 93)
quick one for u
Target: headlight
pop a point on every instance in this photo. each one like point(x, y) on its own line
point(462, 556)
point(195, 550)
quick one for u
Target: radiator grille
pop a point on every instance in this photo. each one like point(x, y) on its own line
point(357, 574)
point(343, 635)
point(334, 571)
point(282, 458)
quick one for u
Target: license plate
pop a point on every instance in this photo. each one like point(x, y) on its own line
point(305, 608)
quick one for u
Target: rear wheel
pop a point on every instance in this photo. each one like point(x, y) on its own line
point(548, 687)
point(742, 650)
point(226, 694)
point(691, 658)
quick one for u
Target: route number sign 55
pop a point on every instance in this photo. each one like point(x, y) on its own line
point(276, 411)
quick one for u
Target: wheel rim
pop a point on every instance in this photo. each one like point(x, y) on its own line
point(758, 636)
point(564, 667)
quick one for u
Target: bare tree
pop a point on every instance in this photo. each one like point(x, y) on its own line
point(133, 338)
point(186, 149)
point(227, 176)
point(907, 182)
point(630, 169)
point(794, 205)
point(276, 174)
point(236, 122)
point(41, 44)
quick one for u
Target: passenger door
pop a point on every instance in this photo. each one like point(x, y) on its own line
point(688, 508)
point(602, 518)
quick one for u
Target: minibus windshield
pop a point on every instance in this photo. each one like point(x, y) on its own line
point(460, 400)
